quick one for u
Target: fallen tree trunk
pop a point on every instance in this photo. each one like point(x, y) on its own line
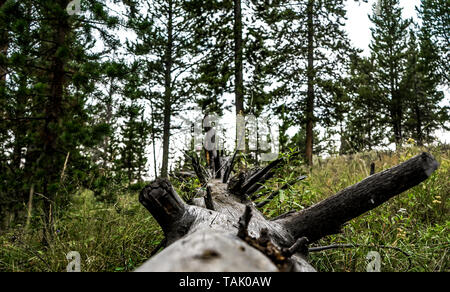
point(328, 216)
point(232, 235)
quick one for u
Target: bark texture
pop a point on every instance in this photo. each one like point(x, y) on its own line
point(233, 236)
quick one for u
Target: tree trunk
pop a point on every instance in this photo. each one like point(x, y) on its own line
point(238, 58)
point(53, 113)
point(236, 237)
point(3, 49)
point(155, 166)
point(168, 93)
point(310, 94)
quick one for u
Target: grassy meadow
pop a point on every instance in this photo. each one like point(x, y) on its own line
point(119, 236)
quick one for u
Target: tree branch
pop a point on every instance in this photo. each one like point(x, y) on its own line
point(328, 216)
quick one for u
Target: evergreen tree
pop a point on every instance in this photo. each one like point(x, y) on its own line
point(3, 44)
point(164, 45)
point(424, 115)
point(436, 21)
point(365, 119)
point(309, 52)
point(51, 76)
point(232, 46)
point(389, 43)
point(134, 138)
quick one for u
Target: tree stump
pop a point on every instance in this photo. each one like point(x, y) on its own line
point(225, 232)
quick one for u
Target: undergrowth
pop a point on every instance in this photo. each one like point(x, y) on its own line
point(121, 235)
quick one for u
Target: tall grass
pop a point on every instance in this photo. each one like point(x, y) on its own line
point(108, 238)
point(416, 221)
point(120, 236)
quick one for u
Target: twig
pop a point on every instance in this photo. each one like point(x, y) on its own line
point(244, 222)
point(299, 246)
point(209, 203)
point(229, 168)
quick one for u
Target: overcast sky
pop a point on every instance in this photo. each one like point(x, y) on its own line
point(358, 24)
point(358, 28)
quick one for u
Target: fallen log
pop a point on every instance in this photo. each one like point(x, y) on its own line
point(235, 236)
point(328, 216)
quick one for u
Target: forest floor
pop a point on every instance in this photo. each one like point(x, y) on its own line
point(120, 236)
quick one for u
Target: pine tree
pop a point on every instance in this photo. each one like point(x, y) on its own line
point(232, 54)
point(365, 121)
point(51, 76)
point(388, 47)
point(423, 112)
point(435, 19)
point(3, 45)
point(164, 45)
point(134, 137)
point(308, 55)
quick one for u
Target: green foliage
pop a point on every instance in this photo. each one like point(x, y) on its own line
point(423, 113)
point(46, 112)
point(135, 136)
point(388, 48)
point(364, 113)
point(434, 15)
point(119, 235)
point(79, 107)
point(110, 237)
point(416, 221)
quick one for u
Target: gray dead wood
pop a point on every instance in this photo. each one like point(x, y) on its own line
point(328, 216)
point(275, 193)
point(193, 222)
point(224, 240)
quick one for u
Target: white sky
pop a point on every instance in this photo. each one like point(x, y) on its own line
point(358, 24)
point(358, 28)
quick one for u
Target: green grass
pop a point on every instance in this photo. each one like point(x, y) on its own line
point(416, 221)
point(108, 237)
point(120, 236)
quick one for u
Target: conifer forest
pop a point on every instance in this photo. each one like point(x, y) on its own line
point(224, 136)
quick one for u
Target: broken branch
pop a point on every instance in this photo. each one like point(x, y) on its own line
point(328, 216)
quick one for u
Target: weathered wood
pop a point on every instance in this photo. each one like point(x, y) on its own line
point(185, 174)
point(167, 208)
point(217, 164)
point(259, 176)
point(328, 216)
point(243, 222)
point(229, 168)
point(235, 236)
point(197, 168)
point(187, 220)
point(209, 203)
point(251, 184)
point(209, 251)
point(256, 187)
point(301, 245)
